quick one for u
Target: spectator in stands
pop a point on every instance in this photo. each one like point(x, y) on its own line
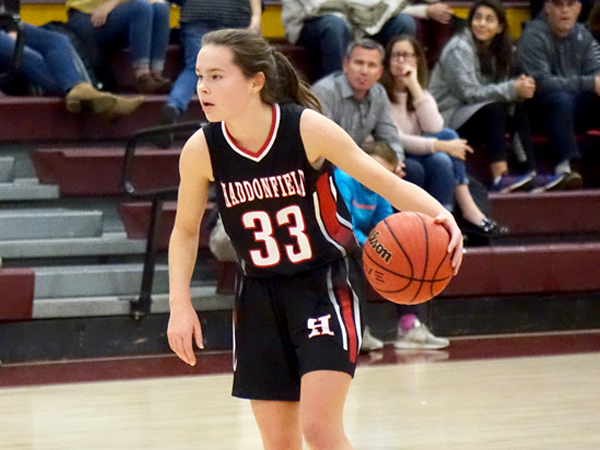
point(197, 18)
point(354, 100)
point(537, 6)
point(143, 25)
point(476, 96)
point(326, 28)
point(50, 62)
point(559, 53)
point(421, 128)
point(367, 209)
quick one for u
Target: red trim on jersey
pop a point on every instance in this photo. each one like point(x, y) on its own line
point(328, 207)
point(344, 297)
point(267, 143)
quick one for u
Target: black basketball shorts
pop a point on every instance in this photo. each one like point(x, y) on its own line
point(287, 326)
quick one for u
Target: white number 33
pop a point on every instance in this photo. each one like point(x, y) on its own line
point(270, 255)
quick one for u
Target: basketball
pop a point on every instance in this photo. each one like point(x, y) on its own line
point(406, 258)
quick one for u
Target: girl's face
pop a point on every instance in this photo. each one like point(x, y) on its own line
point(223, 90)
point(485, 25)
point(402, 59)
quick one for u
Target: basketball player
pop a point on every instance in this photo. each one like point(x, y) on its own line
point(297, 324)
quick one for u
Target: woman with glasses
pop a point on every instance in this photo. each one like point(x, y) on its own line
point(477, 97)
point(438, 150)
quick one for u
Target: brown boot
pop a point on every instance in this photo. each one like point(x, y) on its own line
point(148, 84)
point(84, 96)
point(124, 106)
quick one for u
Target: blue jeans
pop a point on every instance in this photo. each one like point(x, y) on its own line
point(48, 59)
point(441, 172)
point(327, 38)
point(142, 25)
point(191, 41)
point(563, 114)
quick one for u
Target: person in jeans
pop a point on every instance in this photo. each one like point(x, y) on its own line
point(143, 25)
point(326, 30)
point(50, 62)
point(198, 17)
point(559, 53)
point(477, 97)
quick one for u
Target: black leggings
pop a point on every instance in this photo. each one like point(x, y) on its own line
point(488, 127)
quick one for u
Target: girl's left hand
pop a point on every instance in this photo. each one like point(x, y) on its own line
point(455, 247)
point(100, 14)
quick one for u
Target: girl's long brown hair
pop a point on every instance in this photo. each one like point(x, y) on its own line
point(500, 49)
point(253, 54)
point(387, 79)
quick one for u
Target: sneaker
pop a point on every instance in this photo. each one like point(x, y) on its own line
point(511, 183)
point(370, 342)
point(551, 182)
point(573, 180)
point(419, 337)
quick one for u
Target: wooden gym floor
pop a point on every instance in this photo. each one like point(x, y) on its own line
point(534, 391)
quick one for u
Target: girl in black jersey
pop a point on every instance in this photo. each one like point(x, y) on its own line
point(297, 322)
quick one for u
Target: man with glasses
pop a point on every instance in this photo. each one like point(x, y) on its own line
point(558, 52)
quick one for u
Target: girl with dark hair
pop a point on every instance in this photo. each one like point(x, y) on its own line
point(420, 125)
point(476, 96)
point(297, 326)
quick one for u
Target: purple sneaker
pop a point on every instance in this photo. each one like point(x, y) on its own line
point(511, 183)
point(542, 183)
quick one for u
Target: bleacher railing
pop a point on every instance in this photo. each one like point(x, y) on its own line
point(141, 306)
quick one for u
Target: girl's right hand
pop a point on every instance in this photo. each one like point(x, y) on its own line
point(525, 86)
point(457, 148)
point(183, 326)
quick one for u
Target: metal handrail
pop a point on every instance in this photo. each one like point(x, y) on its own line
point(12, 22)
point(140, 307)
point(148, 134)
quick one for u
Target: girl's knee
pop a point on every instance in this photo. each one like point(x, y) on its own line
point(442, 162)
point(447, 134)
point(318, 434)
point(403, 24)
point(136, 7)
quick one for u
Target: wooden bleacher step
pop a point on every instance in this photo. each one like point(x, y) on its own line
point(60, 126)
point(557, 214)
point(96, 171)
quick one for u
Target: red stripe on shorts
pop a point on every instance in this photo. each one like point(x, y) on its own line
point(344, 297)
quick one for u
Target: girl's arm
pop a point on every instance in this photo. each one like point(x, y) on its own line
point(255, 21)
point(196, 174)
point(459, 70)
point(322, 138)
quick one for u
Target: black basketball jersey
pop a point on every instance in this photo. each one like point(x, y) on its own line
point(282, 215)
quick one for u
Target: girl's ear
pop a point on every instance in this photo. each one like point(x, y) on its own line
point(258, 82)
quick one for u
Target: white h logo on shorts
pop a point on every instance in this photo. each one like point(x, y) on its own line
point(319, 326)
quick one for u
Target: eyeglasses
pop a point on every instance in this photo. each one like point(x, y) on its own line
point(400, 56)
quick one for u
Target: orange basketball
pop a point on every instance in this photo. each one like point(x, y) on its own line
point(406, 258)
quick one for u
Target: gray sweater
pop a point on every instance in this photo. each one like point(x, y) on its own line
point(555, 63)
point(459, 87)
